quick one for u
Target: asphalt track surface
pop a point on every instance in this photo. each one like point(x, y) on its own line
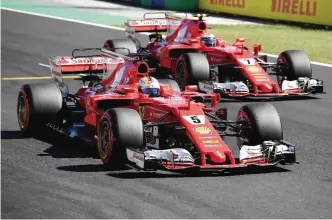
point(58, 179)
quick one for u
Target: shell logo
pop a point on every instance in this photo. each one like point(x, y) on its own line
point(203, 130)
point(254, 69)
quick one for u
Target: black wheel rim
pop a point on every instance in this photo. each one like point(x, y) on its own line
point(181, 76)
point(105, 140)
point(22, 111)
point(244, 130)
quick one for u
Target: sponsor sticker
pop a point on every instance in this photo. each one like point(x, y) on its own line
point(260, 77)
point(219, 154)
point(207, 137)
point(138, 156)
point(203, 130)
point(212, 145)
point(210, 142)
point(254, 69)
point(216, 59)
point(147, 22)
point(157, 115)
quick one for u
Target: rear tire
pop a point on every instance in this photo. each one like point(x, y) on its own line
point(264, 124)
point(119, 128)
point(38, 104)
point(121, 43)
point(191, 68)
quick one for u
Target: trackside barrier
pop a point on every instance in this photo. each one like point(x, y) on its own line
point(174, 5)
point(303, 11)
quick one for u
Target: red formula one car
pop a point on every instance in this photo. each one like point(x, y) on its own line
point(149, 124)
point(191, 55)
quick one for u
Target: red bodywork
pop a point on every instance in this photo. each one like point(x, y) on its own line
point(120, 85)
point(183, 35)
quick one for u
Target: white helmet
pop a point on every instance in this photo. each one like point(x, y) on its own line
point(149, 85)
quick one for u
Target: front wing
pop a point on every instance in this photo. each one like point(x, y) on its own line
point(180, 160)
point(239, 91)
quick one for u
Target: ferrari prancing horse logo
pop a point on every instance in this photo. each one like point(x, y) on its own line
point(141, 110)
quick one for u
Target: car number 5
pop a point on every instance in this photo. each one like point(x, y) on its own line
point(195, 119)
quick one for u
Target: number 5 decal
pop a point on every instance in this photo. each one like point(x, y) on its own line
point(195, 119)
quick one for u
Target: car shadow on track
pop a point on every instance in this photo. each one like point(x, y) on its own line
point(128, 173)
point(253, 99)
point(86, 168)
point(237, 172)
point(12, 135)
point(61, 146)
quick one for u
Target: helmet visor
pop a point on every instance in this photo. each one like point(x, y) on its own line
point(209, 42)
point(150, 91)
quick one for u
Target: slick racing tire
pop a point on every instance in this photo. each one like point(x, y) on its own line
point(119, 128)
point(293, 64)
point(172, 83)
point(260, 122)
point(191, 68)
point(38, 104)
point(127, 46)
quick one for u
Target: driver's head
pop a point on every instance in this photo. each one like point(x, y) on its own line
point(149, 85)
point(209, 39)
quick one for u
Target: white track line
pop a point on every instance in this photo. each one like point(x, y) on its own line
point(44, 65)
point(122, 29)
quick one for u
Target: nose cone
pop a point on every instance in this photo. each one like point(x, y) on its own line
point(266, 87)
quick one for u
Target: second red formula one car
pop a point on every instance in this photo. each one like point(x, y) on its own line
point(149, 124)
point(192, 55)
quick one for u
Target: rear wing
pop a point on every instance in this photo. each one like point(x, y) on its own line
point(83, 65)
point(158, 24)
point(94, 63)
point(151, 22)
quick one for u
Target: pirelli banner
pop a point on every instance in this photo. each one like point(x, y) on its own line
point(304, 11)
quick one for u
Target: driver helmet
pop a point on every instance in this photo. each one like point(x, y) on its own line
point(208, 39)
point(149, 85)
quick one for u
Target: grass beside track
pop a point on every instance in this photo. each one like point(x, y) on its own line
point(277, 38)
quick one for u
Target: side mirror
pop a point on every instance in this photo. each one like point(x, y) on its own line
point(213, 104)
point(240, 40)
point(257, 49)
point(125, 89)
point(193, 40)
point(218, 97)
point(166, 90)
point(191, 88)
point(222, 113)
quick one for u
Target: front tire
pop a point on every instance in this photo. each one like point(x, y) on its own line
point(119, 128)
point(293, 65)
point(260, 122)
